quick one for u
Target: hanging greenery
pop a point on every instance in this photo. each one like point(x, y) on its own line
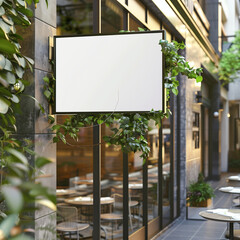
point(229, 65)
point(19, 190)
point(132, 127)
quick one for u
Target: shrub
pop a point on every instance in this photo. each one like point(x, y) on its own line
point(199, 191)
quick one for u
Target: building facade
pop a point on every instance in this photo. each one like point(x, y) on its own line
point(189, 142)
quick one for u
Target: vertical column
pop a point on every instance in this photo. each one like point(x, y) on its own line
point(145, 197)
point(214, 166)
point(160, 186)
point(211, 9)
point(45, 21)
point(125, 196)
point(96, 143)
point(96, 16)
point(31, 123)
point(96, 181)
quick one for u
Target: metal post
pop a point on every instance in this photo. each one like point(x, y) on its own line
point(231, 234)
point(96, 181)
point(145, 197)
point(160, 187)
point(96, 16)
point(125, 196)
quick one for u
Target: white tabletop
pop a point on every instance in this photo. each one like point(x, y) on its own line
point(233, 190)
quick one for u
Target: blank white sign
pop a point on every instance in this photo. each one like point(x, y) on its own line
point(109, 73)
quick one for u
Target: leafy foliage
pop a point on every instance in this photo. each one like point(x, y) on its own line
point(229, 65)
point(199, 191)
point(133, 127)
point(19, 189)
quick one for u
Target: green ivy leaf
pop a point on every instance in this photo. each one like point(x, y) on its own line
point(5, 27)
point(47, 93)
point(175, 91)
point(42, 161)
point(8, 65)
point(26, 11)
point(51, 119)
point(19, 71)
point(2, 11)
point(10, 77)
point(4, 105)
point(7, 19)
point(9, 222)
point(2, 62)
point(199, 79)
point(6, 46)
point(15, 99)
point(18, 155)
point(21, 3)
point(13, 197)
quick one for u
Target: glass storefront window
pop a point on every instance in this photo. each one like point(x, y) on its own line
point(134, 24)
point(112, 17)
point(137, 8)
point(166, 162)
point(153, 140)
point(75, 159)
point(74, 17)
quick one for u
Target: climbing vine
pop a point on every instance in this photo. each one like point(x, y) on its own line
point(19, 190)
point(132, 127)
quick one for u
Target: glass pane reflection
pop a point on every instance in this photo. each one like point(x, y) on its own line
point(74, 17)
point(112, 17)
point(153, 140)
point(166, 132)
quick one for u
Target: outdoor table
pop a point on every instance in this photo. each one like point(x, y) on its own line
point(230, 216)
point(85, 204)
point(120, 178)
point(88, 201)
point(235, 178)
point(65, 192)
point(84, 181)
point(135, 186)
point(232, 190)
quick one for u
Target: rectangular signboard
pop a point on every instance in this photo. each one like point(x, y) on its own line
point(109, 73)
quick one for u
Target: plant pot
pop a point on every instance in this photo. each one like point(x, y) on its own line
point(205, 203)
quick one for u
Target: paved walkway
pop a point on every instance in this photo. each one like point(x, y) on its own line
point(202, 229)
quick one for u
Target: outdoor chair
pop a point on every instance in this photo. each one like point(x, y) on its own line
point(115, 217)
point(68, 225)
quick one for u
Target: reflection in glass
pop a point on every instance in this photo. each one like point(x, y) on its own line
point(112, 186)
point(153, 140)
point(134, 24)
point(112, 17)
point(166, 132)
point(74, 175)
point(74, 17)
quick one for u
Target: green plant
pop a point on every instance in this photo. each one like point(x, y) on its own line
point(229, 65)
point(20, 190)
point(199, 191)
point(132, 127)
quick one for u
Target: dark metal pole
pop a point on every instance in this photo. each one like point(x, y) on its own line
point(96, 141)
point(96, 16)
point(125, 196)
point(172, 157)
point(96, 181)
point(231, 234)
point(145, 197)
point(160, 187)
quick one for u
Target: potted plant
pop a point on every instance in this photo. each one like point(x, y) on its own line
point(199, 193)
